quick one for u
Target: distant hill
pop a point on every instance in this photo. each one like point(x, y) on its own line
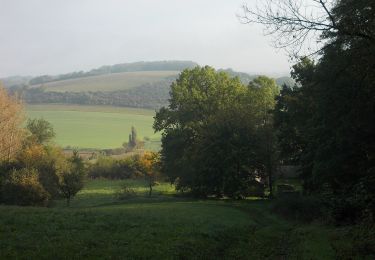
point(142, 66)
point(108, 82)
point(285, 81)
point(15, 81)
point(118, 68)
point(118, 85)
point(246, 78)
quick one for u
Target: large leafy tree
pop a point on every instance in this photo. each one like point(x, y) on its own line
point(211, 132)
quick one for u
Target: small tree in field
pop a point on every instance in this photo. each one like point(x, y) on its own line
point(71, 179)
point(41, 130)
point(134, 142)
point(149, 166)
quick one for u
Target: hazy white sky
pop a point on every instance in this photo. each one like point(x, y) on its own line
point(59, 36)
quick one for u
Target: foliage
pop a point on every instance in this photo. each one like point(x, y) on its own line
point(326, 121)
point(111, 168)
point(71, 179)
point(22, 187)
point(49, 161)
point(138, 166)
point(134, 142)
point(41, 130)
point(149, 166)
point(212, 132)
point(11, 119)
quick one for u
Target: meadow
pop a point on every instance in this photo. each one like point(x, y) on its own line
point(96, 126)
point(108, 82)
point(166, 226)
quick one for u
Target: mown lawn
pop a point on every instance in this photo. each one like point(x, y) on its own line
point(99, 226)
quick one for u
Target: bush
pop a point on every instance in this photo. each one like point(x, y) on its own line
point(22, 187)
point(48, 161)
point(71, 179)
point(110, 168)
point(298, 208)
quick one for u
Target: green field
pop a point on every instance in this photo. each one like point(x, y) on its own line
point(98, 225)
point(96, 126)
point(109, 82)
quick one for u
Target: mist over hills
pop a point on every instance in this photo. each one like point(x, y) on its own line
point(139, 84)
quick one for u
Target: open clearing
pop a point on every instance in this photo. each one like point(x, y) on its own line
point(98, 225)
point(96, 126)
point(109, 82)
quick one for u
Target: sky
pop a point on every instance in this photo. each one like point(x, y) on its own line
point(40, 37)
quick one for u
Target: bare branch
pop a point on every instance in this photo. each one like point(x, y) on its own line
point(295, 25)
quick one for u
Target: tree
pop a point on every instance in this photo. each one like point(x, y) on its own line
point(211, 132)
point(149, 164)
point(11, 119)
point(296, 25)
point(133, 142)
point(265, 90)
point(325, 123)
point(41, 130)
point(71, 179)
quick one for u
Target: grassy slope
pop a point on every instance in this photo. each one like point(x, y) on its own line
point(96, 126)
point(162, 227)
point(109, 82)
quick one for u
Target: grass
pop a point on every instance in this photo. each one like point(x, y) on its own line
point(109, 82)
point(96, 126)
point(98, 226)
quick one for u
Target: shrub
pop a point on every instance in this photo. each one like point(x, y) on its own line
point(71, 179)
point(298, 208)
point(48, 161)
point(110, 168)
point(22, 187)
